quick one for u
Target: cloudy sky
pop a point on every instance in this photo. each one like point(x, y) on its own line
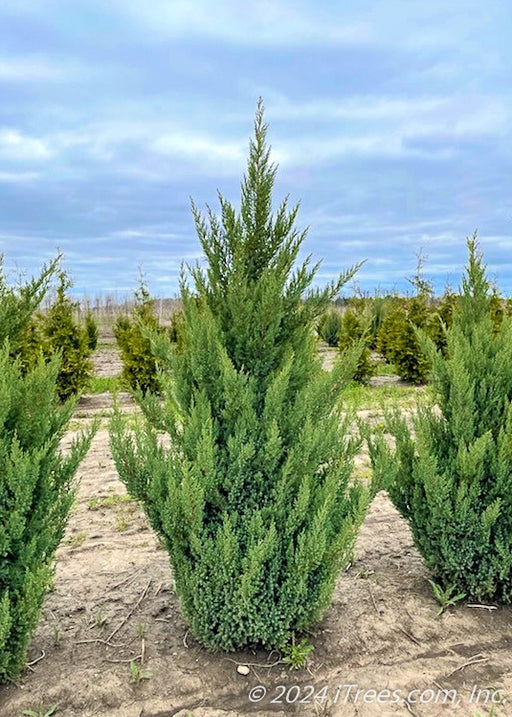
point(390, 121)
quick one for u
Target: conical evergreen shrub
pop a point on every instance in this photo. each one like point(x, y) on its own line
point(329, 327)
point(453, 482)
point(91, 330)
point(398, 340)
point(30, 343)
point(36, 480)
point(252, 491)
point(140, 367)
point(62, 334)
point(17, 305)
point(441, 318)
point(355, 327)
point(379, 308)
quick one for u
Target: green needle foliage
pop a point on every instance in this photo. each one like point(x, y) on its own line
point(329, 327)
point(355, 327)
point(454, 483)
point(251, 492)
point(496, 309)
point(91, 330)
point(17, 305)
point(140, 367)
point(400, 343)
point(62, 334)
point(36, 488)
point(441, 319)
point(379, 308)
point(30, 345)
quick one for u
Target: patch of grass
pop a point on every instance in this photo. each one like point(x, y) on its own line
point(123, 521)
point(107, 501)
point(384, 369)
point(360, 397)
point(123, 505)
point(104, 384)
point(75, 541)
point(104, 413)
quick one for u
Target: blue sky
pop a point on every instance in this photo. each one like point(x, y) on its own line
point(391, 122)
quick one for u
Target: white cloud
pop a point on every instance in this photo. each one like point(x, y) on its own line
point(34, 69)
point(15, 146)
point(428, 127)
point(18, 177)
point(254, 22)
point(144, 234)
point(199, 147)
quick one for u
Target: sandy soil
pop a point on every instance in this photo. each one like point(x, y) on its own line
point(114, 602)
point(107, 361)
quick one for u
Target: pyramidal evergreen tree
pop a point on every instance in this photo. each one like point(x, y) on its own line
point(91, 331)
point(140, 367)
point(354, 328)
point(36, 480)
point(453, 483)
point(252, 492)
point(62, 334)
point(18, 304)
point(328, 327)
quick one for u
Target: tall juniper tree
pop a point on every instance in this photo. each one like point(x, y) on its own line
point(62, 334)
point(453, 482)
point(36, 480)
point(252, 491)
point(18, 304)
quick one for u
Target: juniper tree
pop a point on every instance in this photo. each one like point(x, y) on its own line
point(30, 343)
point(36, 480)
point(328, 327)
point(252, 491)
point(398, 339)
point(379, 309)
point(62, 334)
point(355, 328)
point(140, 367)
point(453, 483)
point(91, 331)
point(441, 318)
point(496, 309)
point(17, 305)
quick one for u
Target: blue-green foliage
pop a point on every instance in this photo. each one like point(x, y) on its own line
point(453, 482)
point(252, 490)
point(328, 327)
point(36, 481)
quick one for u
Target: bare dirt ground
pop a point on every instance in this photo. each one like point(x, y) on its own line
point(114, 602)
point(107, 361)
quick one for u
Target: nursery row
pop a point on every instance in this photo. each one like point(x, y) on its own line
point(253, 493)
point(389, 326)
